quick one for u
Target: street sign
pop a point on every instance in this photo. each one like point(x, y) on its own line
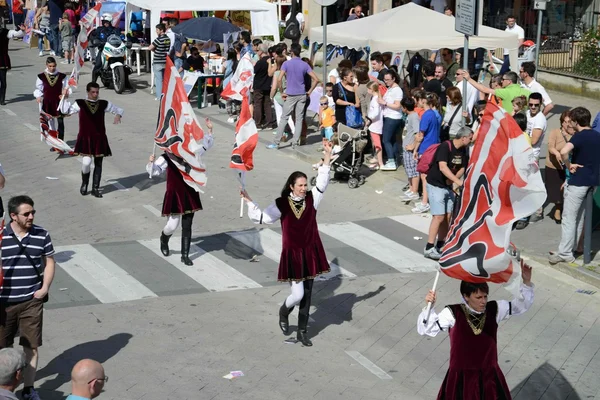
point(539, 5)
point(466, 21)
point(325, 3)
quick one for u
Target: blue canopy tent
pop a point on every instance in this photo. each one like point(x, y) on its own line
point(205, 29)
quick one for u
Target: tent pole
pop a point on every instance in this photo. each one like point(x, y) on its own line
point(324, 46)
point(465, 60)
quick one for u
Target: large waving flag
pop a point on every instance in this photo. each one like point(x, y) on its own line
point(87, 26)
point(502, 185)
point(178, 132)
point(49, 133)
point(246, 138)
point(241, 81)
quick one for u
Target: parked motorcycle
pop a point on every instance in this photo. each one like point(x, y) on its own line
point(114, 70)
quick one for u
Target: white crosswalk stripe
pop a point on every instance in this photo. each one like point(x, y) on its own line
point(103, 278)
point(419, 222)
point(207, 270)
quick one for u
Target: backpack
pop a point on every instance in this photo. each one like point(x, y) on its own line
point(426, 160)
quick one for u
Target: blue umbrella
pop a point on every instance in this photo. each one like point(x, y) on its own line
point(207, 28)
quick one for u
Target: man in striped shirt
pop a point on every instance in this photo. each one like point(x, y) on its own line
point(28, 267)
point(160, 47)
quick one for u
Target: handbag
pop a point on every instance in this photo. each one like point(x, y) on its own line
point(24, 251)
point(354, 118)
point(445, 133)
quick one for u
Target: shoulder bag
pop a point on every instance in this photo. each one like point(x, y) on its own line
point(445, 133)
point(353, 116)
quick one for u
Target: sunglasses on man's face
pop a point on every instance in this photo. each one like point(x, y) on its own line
point(534, 105)
point(28, 213)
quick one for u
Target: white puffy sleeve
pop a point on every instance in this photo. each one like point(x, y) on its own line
point(68, 108)
point(322, 183)
point(65, 84)
point(517, 306)
point(207, 143)
point(270, 215)
point(436, 323)
point(39, 88)
point(158, 167)
point(111, 108)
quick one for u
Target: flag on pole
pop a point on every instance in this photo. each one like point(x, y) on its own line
point(502, 185)
point(241, 81)
point(49, 133)
point(87, 24)
point(246, 138)
point(178, 133)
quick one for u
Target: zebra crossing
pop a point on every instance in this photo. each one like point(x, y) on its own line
point(133, 270)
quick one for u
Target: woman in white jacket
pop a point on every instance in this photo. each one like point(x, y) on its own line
point(375, 116)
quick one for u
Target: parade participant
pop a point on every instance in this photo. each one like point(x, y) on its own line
point(50, 86)
point(181, 201)
point(303, 256)
point(91, 139)
point(5, 36)
point(472, 325)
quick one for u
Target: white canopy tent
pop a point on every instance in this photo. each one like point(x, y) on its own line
point(263, 14)
point(412, 27)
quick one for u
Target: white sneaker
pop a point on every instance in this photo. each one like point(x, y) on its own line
point(52, 53)
point(407, 192)
point(411, 196)
point(420, 208)
point(389, 166)
point(42, 53)
point(432, 254)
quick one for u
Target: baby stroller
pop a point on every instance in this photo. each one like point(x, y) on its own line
point(350, 158)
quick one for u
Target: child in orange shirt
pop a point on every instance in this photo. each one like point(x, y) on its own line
point(326, 119)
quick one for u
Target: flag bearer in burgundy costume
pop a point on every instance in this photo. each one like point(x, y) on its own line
point(474, 373)
point(91, 139)
point(303, 256)
point(50, 85)
point(181, 200)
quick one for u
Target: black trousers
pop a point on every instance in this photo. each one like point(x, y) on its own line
point(61, 128)
point(186, 225)
point(3, 84)
point(304, 311)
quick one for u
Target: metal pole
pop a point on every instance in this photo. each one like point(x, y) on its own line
point(324, 47)
point(587, 227)
point(465, 67)
point(538, 43)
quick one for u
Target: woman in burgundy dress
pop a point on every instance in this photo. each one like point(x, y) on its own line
point(181, 200)
point(474, 373)
point(303, 256)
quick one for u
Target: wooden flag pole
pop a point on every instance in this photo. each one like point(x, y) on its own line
point(435, 282)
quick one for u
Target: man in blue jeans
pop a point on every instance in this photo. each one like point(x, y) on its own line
point(56, 11)
point(585, 174)
point(160, 47)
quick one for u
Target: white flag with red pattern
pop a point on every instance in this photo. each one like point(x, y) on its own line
point(246, 138)
point(87, 24)
point(49, 133)
point(502, 185)
point(178, 132)
point(241, 81)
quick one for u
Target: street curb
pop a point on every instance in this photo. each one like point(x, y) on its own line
point(580, 273)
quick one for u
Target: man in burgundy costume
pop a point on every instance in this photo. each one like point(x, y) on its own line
point(474, 373)
point(181, 201)
point(302, 256)
point(91, 139)
point(50, 85)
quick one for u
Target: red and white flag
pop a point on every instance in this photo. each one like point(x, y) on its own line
point(87, 24)
point(49, 133)
point(502, 185)
point(246, 138)
point(241, 81)
point(178, 132)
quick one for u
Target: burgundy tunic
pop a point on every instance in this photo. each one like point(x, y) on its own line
point(4, 40)
point(303, 256)
point(474, 373)
point(91, 139)
point(180, 198)
point(52, 93)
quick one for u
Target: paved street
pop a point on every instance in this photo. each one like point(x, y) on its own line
point(167, 331)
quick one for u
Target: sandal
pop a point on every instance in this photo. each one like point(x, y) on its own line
point(374, 167)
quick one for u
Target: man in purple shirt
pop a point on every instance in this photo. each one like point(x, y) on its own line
point(295, 95)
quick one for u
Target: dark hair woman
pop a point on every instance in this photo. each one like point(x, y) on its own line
point(472, 325)
point(303, 256)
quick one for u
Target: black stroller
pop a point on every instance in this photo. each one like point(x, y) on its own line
point(349, 159)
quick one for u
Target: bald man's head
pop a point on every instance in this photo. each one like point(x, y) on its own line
point(87, 378)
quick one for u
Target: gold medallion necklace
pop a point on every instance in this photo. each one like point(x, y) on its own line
point(298, 210)
point(92, 106)
point(52, 79)
point(476, 322)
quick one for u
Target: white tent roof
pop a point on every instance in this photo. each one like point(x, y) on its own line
point(410, 27)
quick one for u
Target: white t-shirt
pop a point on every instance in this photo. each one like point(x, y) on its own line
point(537, 122)
point(330, 101)
point(392, 95)
point(375, 116)
point(299, 18)
point(334, 72)
point(515, 29)
point(535, 86)
point(472, 95)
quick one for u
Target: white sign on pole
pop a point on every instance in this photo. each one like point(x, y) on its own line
point(466, 17)
point(539, 5)
point(325, 3)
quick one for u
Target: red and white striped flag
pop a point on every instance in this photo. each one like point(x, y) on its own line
point(246, 138)
point(178, 132)
point(241, 81)
point(502, 185)
point(87, 24)
point(49, 133)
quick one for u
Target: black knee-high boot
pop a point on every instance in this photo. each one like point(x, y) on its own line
point(303, 314)
point(97, 177)
point(85, 181)
point(186, 238)
point(284, 322)
point(164, 244)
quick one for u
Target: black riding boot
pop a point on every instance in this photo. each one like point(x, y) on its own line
point(94, 76)
point(185, 250)
point(303, 314)
point(164, 244)
point(96, 180)
point(284, 322)
point(85, 181)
